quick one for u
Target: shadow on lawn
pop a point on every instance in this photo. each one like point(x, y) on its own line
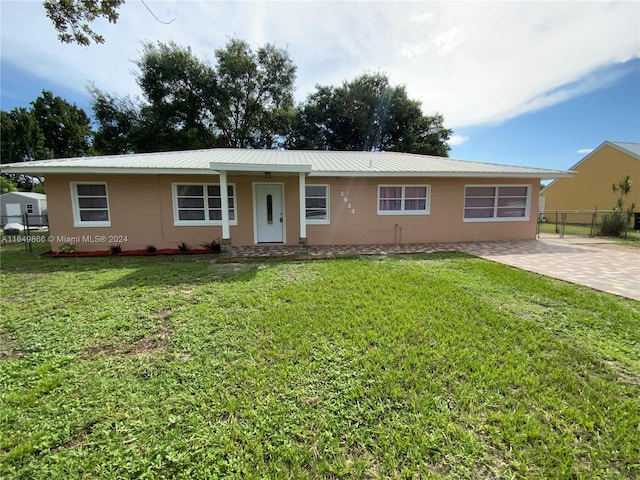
point(195, 272)
point(136, 271)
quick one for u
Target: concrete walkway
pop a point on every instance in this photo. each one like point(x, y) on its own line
point(598, 264)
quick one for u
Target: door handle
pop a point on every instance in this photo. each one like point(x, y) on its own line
point(280, 218)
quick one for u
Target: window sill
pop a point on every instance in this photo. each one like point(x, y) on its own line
point(503, 219)
point(400, 212)
point(202, 224)
point(91, 224)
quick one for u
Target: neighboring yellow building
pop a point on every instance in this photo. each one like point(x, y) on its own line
point(590, 187)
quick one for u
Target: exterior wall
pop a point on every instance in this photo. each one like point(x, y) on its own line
point(443, 224)
point(591, 185)
point(141, 209)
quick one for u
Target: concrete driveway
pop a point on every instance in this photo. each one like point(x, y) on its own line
point(595, 263)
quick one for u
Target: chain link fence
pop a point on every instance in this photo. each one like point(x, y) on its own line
point(29, 230)
point(586, 223)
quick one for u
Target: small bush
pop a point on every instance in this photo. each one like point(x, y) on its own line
point(115, 249)
point(212, 246)
point(67, 248)
point(150, 249)
point(613, 225)
point(183, 247)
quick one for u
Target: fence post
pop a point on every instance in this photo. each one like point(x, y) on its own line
point(626, 224)
point(593, 222)
point(557, 231)
point(28, 231)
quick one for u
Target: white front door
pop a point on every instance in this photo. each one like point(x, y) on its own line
point(269, 213)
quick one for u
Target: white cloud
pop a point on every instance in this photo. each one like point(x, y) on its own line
point(455, 140)
point(584, 151)
point(475, 62)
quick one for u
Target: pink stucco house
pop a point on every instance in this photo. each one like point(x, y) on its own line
point(249, 197)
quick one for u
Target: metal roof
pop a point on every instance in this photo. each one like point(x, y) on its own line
point(33, 195)
point(313, 162)
point(631, 148)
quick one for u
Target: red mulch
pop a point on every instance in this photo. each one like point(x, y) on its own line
point(132, 253)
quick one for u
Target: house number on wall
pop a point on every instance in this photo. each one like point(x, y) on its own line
point(347, 204)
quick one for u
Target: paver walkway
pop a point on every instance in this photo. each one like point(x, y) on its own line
point(580, 261)
point(610, 270)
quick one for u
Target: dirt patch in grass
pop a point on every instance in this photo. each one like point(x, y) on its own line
point(295, 273)
point(623, 376)
point(75, 440)
point(8, 350)
point(151, 344)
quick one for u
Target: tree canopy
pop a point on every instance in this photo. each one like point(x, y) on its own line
point(367, 113)
point(51, 128)
point(244, 100)
point(72, 18)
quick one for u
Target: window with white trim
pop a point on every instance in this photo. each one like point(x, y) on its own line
point(403, 199)
point(201, 204)
point(90, 204)
point(496, 203)
point(29, 208)
point(317, 204)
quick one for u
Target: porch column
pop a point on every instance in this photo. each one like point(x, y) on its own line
point(224, 196)
point(303, 215)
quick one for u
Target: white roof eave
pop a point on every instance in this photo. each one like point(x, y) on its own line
point(542, 175)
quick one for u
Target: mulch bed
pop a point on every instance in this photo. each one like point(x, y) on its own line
point(132, 253)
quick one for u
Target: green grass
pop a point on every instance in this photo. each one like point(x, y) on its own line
point(432, 366)
point(633, 237)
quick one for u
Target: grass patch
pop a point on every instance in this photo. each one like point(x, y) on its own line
point(432, 366)
point(633, 237)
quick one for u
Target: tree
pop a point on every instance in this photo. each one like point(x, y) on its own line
point(253, 95)
point(119, 121)
point(245, 100)
point(367, 114)
point(51, 128)
point(617, 222)
point(179, 91)
point(622, 189)
point(66, 128)
point(7, 184)
point(21, 138)
point(71, 18)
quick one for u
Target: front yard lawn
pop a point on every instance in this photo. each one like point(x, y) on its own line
point(432, 366)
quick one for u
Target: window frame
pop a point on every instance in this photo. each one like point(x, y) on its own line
point(496, 198)
point(202, 223)
point(403, 199)
point(75, 203)
point(327, 195)
point(29, 208)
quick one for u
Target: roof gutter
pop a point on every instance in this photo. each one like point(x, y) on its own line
point(542, 175)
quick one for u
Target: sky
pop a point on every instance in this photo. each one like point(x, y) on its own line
point(523, 83)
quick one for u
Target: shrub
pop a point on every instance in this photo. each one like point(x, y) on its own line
point(151, 249)
point(115, 249)
point(67, 248)
point(213, 246)
point(613, 225)
point(183, 247)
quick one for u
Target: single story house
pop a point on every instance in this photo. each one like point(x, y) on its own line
point(248, 197)
point(13, 206)
point(590, 187)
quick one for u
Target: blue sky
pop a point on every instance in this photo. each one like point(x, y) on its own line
point(524, 83)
